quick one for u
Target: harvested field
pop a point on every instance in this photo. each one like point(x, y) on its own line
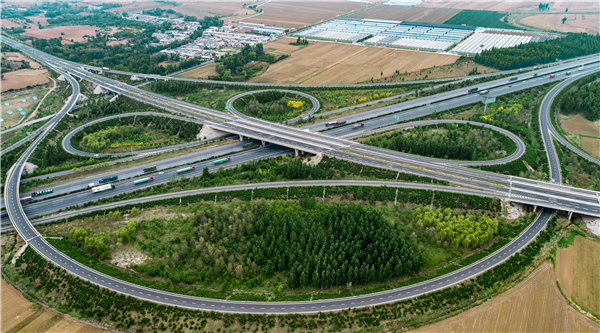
point(534, 305)
point(416, 14)
point(16, 56)
point(439, 72)
point(564, 270)
point(581, 5)
point(133, 6)
point(24, 77)
point(580, 125)
point(214, 7)
point(74, 32)
point(20, 315)
point(336, 63)
point(586, 274)
point(589, 23)
point(500, 6)
point(200, 72)
point(10, 24)
point(590, 145)
point(298, 14)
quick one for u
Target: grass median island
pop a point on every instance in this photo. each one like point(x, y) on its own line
point(273, 105)
point(134, 133)
point(44, 281)
point(466, 142)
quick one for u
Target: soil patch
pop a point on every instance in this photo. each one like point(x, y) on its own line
point(586, 274)
point(564, 270)
point(589, 23)
point(20, 315)
point(24, 77)
point(414, 14)
point(337, 63)
point(298, 14)
point(74, 32)
point(500, 6)
point(590, 145)
point(214, 7)
point(534, 305)
point(580, 125)
point(200, 72)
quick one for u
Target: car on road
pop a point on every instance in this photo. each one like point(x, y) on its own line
point(568, 73)
point(96, 155)
point(581, 68)
point(162, 172)
point(552, 76)
point(535, 74)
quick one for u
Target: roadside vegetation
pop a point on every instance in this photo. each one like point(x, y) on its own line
point(273, 105)
point(531, 54)
point(239, 66)
point(134, 133)
point(465, 142)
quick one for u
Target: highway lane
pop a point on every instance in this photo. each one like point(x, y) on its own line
point(315, 103)
point(520, 150)
point(41, 211)
point(303, 141)
point(66, 143)
point(547, 127)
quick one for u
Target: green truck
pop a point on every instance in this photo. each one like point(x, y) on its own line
point(190, 168)
point(143, 180)
point(222, 160)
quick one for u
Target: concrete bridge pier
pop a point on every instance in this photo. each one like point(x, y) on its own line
point(241, 137)
point(263, 143)
point(535, 208)
point(570, 215)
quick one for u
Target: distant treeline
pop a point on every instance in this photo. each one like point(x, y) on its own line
point(531, 54)
point(584, 100)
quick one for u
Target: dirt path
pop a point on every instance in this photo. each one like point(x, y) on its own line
point(41, 102)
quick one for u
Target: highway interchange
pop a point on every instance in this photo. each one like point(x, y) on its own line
point(528, 191)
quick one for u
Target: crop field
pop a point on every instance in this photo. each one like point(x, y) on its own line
point(200, 72)
point(502, 6)
point(564, 270)
point(24, 77)
point(298, 14)
point(134, 6)
point(586, 274)
point(336, 63)
point(589, 23)
point(580, 125)
point(534, 305)
point(480, 18)
point(401, 13)
point(222, 8)
point(20, 315)
point(75, 32)
point(590, 145)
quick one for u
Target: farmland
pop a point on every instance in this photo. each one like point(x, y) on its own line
point(20, 315)
point(578, 129)
point(480, 18)
point(579, 276)
point(501, 6)
point(531, 306)
point(221, 8)
point(200, 72)
point(589, 23)
point(14, 99)
point(335, 63)
point(298, 14)
point(415, 14)
point(25, 77)
point(75, 33)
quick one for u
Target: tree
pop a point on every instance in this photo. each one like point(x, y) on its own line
point(567, 10)
point(205, 173)
point(564, 20)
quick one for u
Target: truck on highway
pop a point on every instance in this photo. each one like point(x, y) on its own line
point(222, 160)
point(483, 92)
point(107, 179)
point(41, 192)
point(513, 78)
point(26, 199)
point(552, 76)
point(143, 180)
point(103, 188)
point(91, 185)
point(186, 169)
point(248, 145)
point(358, 126)
point(105, 69)
point(150, 168)
point(472, 90)
point(335, 123)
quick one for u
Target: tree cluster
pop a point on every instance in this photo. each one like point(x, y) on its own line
point(460, 142)
point(232, 67)
point(570, 46)
point(584, 100)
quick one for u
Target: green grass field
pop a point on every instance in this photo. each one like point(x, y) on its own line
point(480, 18)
